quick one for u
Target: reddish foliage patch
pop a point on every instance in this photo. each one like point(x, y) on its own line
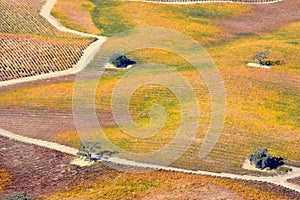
point(265, 17)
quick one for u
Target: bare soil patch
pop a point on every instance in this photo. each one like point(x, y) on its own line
point(40, 171)
point(263, 18)
point(41, 124)
point(68, 78)
point(44, 124)
point(295, 181)
point(191, 190)
point(272, 188)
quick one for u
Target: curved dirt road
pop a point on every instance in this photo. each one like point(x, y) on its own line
point(277, 180)
point(87, 56)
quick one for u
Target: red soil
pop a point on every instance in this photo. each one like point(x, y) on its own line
point(263, 18)
point(295, 181)
point(38, 171)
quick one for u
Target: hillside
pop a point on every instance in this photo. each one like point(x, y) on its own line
point(48, 174)
point(262, 105)
point(30, 45)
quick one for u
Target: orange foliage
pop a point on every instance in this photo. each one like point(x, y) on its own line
point(165, 185)
point(5, 179)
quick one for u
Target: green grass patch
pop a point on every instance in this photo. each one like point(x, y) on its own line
point(112, 17)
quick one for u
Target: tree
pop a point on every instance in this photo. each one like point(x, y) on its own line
point(17, 196)
point(121, 61)
point(261, 159)
point(87, 148)
point(83, 152)
point(260, 56)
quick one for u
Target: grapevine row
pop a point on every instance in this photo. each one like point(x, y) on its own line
point(23, 56)
point(30, 45)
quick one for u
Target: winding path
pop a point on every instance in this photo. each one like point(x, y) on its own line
point(92, 49)
point(85, 59)
point(87, 56)
point(277, 180)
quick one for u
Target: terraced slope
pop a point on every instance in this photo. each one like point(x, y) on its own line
point(30, 45)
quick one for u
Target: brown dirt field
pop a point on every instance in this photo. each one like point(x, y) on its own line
point(191, 190)
point(41, 124)
point(295, 181)
point(36, 170)
point(273, 189)
point(263, 18)
point(43, 172)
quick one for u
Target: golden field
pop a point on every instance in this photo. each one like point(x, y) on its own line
point(161, 185)
point(261, 103)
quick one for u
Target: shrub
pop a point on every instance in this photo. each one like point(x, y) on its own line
point(87, 148)
point(17, 196)
point(121, 61)
point(260, 56)
point(262, 160)
point(282, 169)
point(83, 152)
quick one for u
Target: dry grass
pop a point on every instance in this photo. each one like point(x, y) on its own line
point(5, 179)
point(262, 105)
point(111, 17)
point(163, 185)
point(48, 174)
point(75, 15)
point(70, 138)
